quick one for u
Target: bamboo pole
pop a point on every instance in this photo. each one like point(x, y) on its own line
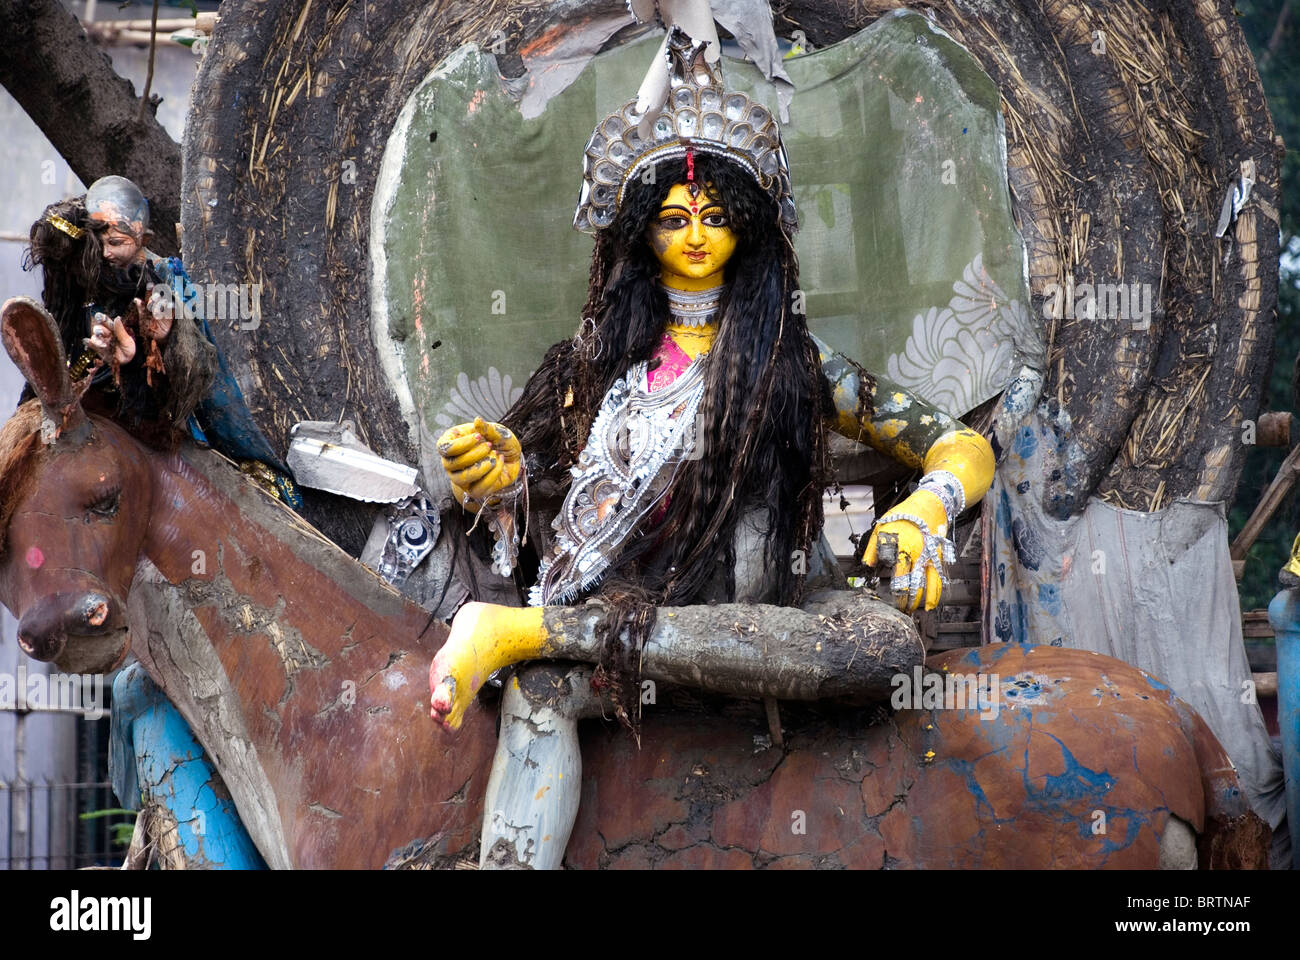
point(1268, 504)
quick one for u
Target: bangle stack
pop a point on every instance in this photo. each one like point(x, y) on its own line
point(81, 366)
point(936, 551)
point(948, 489)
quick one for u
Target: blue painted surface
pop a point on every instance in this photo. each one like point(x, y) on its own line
point(1156, 684)
point(1284, 615)
point(155, 757)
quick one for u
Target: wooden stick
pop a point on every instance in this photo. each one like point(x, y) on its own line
point(774, 722)
point(1268, 504)
point(165, 25)
point(153, 46)
point(140, 852)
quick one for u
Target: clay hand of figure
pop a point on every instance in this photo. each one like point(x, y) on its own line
point(958, 471)
point(111, 340)
point(484, 638)
point(481, 459)
point(155, 320)
point(911, 542)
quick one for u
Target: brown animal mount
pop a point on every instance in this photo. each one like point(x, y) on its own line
point(303, 675)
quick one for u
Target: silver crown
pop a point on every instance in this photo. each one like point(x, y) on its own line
point(699, 114)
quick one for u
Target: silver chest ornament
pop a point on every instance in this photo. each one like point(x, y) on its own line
point(636, 444)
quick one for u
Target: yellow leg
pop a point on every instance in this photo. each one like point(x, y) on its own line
point(484, 638)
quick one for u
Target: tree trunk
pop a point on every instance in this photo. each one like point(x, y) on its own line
point(91, 115)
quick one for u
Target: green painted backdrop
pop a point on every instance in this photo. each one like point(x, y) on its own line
point(909, 257)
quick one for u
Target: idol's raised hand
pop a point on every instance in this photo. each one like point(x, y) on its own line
point(481, 459)
point(111, 339)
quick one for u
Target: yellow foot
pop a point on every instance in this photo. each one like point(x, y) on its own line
point(484, 638)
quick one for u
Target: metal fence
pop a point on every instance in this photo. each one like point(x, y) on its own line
point(44, 830)
point(43, 820)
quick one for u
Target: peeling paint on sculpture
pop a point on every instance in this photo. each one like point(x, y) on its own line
point(163, 768)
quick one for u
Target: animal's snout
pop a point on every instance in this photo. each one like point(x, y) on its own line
point(44, 629)
point(47, 647)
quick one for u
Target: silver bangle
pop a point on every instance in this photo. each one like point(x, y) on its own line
point(945, 485)
point(909, 517)
point(501, 510)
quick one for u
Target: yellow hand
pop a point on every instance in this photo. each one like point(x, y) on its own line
point(484, 638)
point(480, 458)
point(928, 507)
point(967, 456)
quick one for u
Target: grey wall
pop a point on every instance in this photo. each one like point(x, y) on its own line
point(32, 175)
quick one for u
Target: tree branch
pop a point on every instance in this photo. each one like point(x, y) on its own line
point(153, 48)
point(1279, 30)
point(68, 86)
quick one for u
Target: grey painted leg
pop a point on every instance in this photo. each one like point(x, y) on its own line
point(536, 781)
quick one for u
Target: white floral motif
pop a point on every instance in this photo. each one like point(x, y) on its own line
point(488, 397)
point(958, 355)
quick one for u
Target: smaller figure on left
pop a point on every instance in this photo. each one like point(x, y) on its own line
point(117, 303)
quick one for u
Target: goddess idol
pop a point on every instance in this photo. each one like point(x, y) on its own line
point(677, 444)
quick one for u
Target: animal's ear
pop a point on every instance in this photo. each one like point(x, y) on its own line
point(31, 338)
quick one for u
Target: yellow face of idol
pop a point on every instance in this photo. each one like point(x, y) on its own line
point(691, 238)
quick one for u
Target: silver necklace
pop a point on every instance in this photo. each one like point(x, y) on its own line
point(694, 308)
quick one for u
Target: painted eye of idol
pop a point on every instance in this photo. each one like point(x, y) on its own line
point(692, 238)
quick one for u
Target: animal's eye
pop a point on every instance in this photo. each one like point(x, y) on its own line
point(106, 505)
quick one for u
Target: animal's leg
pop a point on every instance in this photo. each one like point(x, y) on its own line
point(536, 781)
point(156, 761)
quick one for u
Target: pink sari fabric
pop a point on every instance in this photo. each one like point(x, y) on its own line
point(673, 361)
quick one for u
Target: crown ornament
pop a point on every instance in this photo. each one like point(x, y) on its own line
point(58, 223)
point(699, 116)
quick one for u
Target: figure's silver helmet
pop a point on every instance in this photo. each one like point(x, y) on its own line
point(699, 115)
point(120, 203)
